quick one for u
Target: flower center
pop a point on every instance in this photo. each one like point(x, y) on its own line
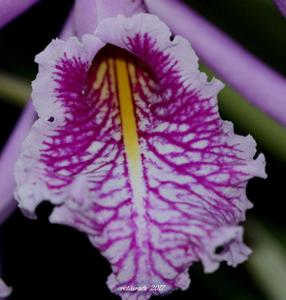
point(113, 75)
point(129, 124)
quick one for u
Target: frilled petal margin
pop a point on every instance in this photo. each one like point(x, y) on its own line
point(131, 149)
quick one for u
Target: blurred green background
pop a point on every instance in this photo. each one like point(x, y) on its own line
point(39, 259)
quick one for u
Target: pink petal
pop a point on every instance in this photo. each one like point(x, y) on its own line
point(151, 212)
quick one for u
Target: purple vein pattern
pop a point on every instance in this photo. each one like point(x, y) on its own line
point(194, 168)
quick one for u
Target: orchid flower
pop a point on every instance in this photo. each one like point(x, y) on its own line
point(130, 148)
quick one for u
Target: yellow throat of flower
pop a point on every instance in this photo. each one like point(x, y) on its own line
point(128, 119)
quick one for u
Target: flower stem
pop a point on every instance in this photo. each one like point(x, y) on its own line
point(259, 84)
point(267, 265)
point(14, 89)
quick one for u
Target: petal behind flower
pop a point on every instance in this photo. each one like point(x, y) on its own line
point(131, 149)
point(10, 9)
point(89, 13)
point(4, 290)
point(281, 4)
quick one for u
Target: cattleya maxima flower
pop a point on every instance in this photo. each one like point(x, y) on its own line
point(130, 148)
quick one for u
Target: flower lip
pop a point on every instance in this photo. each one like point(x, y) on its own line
point(180, 196)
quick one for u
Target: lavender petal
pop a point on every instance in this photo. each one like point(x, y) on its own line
point(5, 291)
point(281, 4)
point(10, 9)
point(88, 13)
point(7, 160)
point(11, 150)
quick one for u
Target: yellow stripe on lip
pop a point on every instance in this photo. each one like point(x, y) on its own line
point(128, 119)
point(132, 146)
